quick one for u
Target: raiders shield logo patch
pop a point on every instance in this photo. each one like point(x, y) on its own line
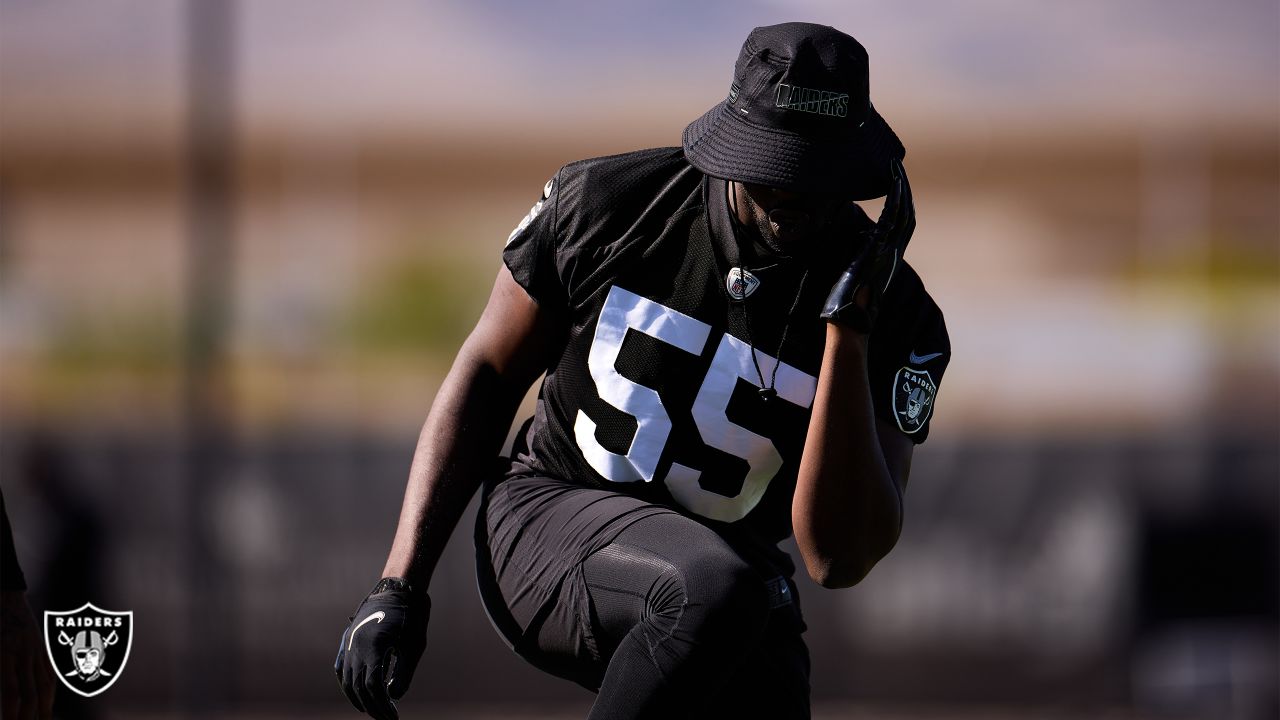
point(913, 392)
point(88, 646)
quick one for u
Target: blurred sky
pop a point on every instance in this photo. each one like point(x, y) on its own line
point(441, 63)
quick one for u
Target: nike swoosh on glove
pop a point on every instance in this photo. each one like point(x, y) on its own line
point(381, 646)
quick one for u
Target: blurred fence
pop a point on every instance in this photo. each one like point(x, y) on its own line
point(1074, 572)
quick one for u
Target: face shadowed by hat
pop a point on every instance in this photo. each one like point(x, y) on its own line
point(798, 117)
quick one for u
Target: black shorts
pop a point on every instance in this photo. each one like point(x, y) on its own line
point(534, 537)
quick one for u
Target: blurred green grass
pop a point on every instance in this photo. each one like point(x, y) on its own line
point(419, 305)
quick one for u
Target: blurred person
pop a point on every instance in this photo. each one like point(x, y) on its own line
point(26, 678)
point(733, 352)
point(75, 566)
point(75, 558)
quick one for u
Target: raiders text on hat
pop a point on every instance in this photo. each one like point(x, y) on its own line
point(822, 102)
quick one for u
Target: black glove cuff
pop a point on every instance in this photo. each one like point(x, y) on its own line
point(397, 586)
point(840, 307)
point(391, 584)
point(394, 591)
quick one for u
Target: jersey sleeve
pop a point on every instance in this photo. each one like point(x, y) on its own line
point(909, 353)
point(530, 253)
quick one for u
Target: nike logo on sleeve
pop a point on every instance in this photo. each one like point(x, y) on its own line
point(914, 359)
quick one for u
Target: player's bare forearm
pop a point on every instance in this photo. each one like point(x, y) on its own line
point(457, 445)
point(469, 418)
point(847, 510)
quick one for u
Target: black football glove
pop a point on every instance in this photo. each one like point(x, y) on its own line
point(874, 266)
point(381, 646)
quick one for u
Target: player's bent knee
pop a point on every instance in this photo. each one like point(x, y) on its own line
point(667, 600)
point(727, 601)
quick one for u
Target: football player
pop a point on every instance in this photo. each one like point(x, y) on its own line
point(733, 353)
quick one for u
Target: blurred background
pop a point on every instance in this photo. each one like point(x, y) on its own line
point(241, 242)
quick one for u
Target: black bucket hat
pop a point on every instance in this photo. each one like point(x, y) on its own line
point(798, 117)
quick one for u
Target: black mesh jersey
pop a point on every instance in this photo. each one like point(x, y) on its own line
point(656, 390)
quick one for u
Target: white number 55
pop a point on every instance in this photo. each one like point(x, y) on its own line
point(625, 310)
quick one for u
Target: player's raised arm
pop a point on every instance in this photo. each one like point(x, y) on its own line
point(847, 509)
point(462, 436)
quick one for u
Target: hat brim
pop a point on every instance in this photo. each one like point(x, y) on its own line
point(724, 145)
